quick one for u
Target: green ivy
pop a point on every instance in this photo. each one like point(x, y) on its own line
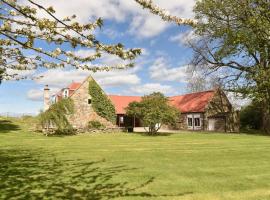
point(57, 115)
point(101, 104)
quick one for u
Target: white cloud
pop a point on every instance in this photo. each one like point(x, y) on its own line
point(60, 78)
point(147, 26)
point(162, 71)
point(37, 94)
point(143, 23)
point(112, 33)
point(117, 80)
point(19, 73)
point(184, 38)
point(237, 101)
point(150, 88)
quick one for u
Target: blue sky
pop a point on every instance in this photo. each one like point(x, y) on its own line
point(161, 67)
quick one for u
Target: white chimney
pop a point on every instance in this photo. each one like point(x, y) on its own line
point(46, 97)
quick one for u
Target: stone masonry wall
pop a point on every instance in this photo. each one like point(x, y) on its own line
point(83, 112)
point(221, 109)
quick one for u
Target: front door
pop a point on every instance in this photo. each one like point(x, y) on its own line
point(211, 124)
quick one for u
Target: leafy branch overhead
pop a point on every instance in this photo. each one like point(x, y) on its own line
point(164, 14)
point(23, 33)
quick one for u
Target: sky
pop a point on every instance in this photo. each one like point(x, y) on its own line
point(161, 67)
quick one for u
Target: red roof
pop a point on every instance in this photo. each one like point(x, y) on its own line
point(74, 86)
point(121, 102)
point(194, 102)
point(188, 103)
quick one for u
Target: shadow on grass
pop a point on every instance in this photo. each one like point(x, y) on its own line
point(7, 126)
point(253, 132)
point(25, 176)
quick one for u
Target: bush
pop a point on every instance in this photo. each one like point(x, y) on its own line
point(95, 125)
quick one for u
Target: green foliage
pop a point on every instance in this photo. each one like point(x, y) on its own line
point(56, 116)
point(152, 110)
point(251, 117)
point(95, 125)
point(234, 40)
point(101, 104)
point(231, 42)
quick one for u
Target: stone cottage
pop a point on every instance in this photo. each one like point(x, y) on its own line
point(83, 110)
point(202, 111)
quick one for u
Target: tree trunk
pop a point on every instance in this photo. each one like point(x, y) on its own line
point(266, 116)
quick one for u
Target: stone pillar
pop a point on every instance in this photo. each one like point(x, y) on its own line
point(46, 97)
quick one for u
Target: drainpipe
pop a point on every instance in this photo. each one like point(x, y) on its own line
point(193, 121)
point(203, 123)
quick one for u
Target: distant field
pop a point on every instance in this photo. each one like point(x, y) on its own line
point(132, 166)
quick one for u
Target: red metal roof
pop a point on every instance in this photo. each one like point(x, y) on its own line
point(121, 102)
point(194, 102)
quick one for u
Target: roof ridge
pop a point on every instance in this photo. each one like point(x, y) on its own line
point(122, 95)
point(81, 85)
point(193, 93)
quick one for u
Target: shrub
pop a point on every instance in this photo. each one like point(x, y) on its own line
point(95, 125)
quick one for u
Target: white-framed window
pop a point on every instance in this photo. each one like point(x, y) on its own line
point(190, 121)
point(65, 93)
point(194, 121)
point(197, 122)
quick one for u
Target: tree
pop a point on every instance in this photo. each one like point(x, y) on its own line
point(232, 40)
point(250, 116)
point(154, 111)
point(56, 117)
point(32, 37)
point(199, 82)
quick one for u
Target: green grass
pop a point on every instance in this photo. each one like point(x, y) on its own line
point(132, 166)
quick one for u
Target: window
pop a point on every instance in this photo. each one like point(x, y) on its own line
point(65, 93)
point(121, 119)
point(197, 122)
point(190, 123)
point(89, 101)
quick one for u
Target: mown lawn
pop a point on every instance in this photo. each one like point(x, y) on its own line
point(132, 166)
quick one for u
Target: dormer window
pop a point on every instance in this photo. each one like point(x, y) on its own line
point(65, 93)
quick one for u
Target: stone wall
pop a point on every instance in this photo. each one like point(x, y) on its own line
point(183, 125)
point(222, 111)
point(83, 112)
point(233, 119)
